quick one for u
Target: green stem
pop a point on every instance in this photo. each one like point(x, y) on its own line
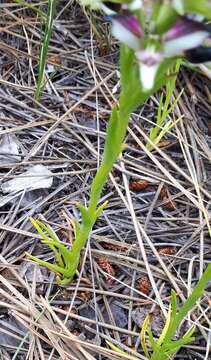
point(99, 181)
point(113, 148)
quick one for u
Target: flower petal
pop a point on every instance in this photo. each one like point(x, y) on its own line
point(147, 75)
point(149, 56)
point(126, 28)
point(135, 5)
point(185, 34)
point(111, 8)
point(131, 23)
point(199, 55)
point(185, 26)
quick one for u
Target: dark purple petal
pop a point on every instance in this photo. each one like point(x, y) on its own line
point(201, 54)
point(130, 22)
point(184, 26)
point(116, 7)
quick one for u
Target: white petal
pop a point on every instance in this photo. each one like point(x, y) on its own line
point(135, 5)
point(124, 35)
point(182, 43)
point(148, 75)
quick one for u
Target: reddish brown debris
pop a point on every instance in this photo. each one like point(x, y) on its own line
point(114, 247)
point(84, 295)
point(108, 268)
point(144, 285)
point(54, 59)
point(167, 251)
point(163, 193)
point(170, 205)
point(166, 143)
point(138, 185)
point(165, 196)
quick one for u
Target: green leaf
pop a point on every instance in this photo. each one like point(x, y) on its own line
point(153, 343)
point(173, 303)
point(143, 335)
point(190, 302)
point(48, 230)
point(100, 209)
point(44, 48)
point(65, 252)
point(52, 267)
point(190, 332)
point(166, 17)
point(39, 226)
point(115, 348)
point(84, 214)
point(202, 7)
point(165, 329)
point(174, 346)
point(75, 228)
point(165, 108)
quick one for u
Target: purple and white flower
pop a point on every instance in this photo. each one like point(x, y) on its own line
point(185, 38)
point(184, 35)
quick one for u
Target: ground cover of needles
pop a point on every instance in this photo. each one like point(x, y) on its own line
point(49, 153)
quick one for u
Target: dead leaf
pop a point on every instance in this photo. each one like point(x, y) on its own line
point(37, 177)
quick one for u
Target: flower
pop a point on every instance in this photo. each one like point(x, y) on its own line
point(185, 38)
point(184, 35)
point(127, 29)
point(200, 54)
point(113, 7)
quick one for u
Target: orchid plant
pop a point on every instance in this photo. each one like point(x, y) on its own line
point(152, 35)
point(166, 346)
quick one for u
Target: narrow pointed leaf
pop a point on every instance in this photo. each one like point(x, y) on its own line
point(115, 348)
point(143, 335)
point(39, 225)
point(173, 303)
point(84, 214)
point(100, 209)
point(66, 253)
point(166, 327)
point(52, 267)
point(75, 228)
